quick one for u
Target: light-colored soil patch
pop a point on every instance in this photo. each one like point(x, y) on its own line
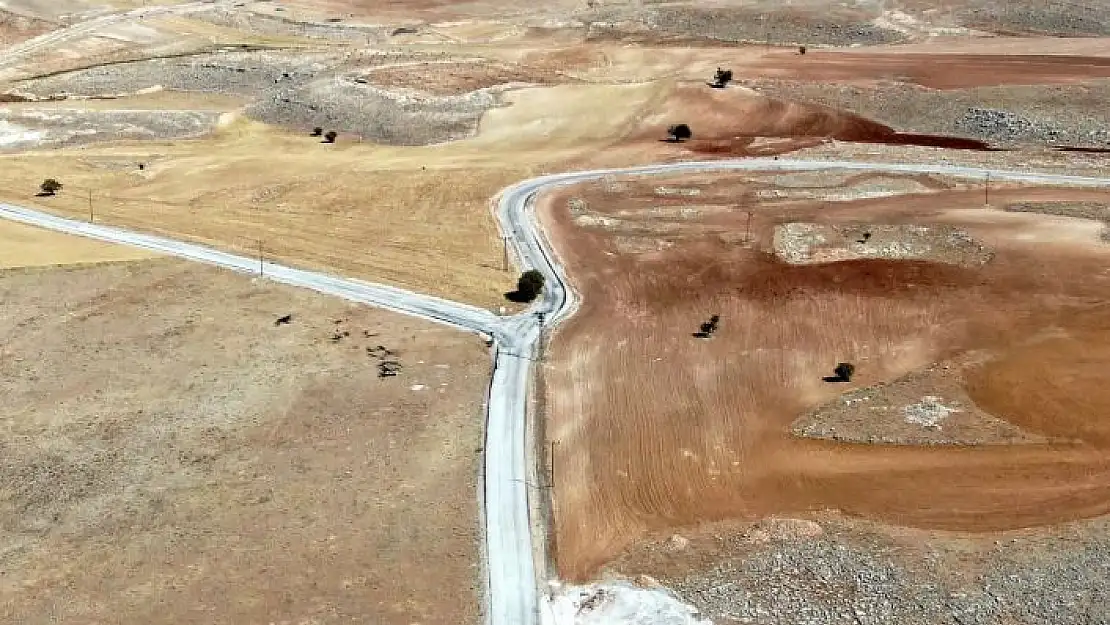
point(456, 77)
point(810, 243)
point(172, 455)
point(38, 127)
point(26, 246)
point(929, 407)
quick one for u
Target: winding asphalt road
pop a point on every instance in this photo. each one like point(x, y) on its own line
point(512, 585)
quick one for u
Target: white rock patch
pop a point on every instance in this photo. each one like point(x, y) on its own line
point(928, 412)
point(617, 603)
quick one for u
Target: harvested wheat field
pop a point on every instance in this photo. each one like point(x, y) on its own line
point(27, 246)
point(173, 455)
point(658, 429)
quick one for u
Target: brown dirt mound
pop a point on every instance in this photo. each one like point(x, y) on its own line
point(725, 121)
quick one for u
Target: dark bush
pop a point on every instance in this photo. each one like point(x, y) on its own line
point(317, 132)
point(50, 186)
point(721, 78)
point(331, 136)
point(528, 287)
point(844, 371)
point(679, 132)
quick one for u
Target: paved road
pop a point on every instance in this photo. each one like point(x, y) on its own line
point(512, 587)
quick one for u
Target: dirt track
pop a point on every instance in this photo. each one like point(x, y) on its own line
point(683, 431)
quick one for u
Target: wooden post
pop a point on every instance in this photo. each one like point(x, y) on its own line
point(748, 229)
point(987, 191)
point(261, 270)
point(90, 207)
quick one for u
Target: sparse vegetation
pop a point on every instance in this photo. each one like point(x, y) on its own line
point(50, 186)
point(317, 131)
point(679, 133)
point(331, 136)
point(708, 327)
point(844, 371)
point(721, 78)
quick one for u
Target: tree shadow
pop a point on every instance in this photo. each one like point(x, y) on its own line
point(520, 297)
point(834, 379)
point(45, 194)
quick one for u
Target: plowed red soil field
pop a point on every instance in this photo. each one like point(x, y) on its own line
point(657, 429)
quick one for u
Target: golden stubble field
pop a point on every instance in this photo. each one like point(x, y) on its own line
point(170, 455)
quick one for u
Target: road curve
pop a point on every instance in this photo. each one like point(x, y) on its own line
point(512, 588)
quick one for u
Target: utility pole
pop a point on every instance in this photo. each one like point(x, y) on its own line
point(505, 254)
point(748, 229)
point(261, 271)
point(987, 191)
point(90, 207)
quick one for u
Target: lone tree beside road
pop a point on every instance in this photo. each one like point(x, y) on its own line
point(50, 186)
point(528, 287)
point(331, 136)
point(679, 133)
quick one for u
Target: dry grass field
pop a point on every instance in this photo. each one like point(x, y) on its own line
point(329, 207)
point(170, 455)
point(658, 430)
point(25, 246)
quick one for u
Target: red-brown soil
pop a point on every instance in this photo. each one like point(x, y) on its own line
point(657, 429)
point(727, 122)
point(935, 71)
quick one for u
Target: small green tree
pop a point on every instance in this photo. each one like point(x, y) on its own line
point(317, 132)
point(529, 285)
point(50, 186)
point(331, 136)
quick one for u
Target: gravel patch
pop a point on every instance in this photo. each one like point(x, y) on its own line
point(929, 407)
point(232, 73)
point(1059, 19)
point(1005, 116)
point(1099, 211)
point(56, 127)
point(809, 243)
point(383, 116)
point(283, 26)
point(818, 28)
point(853, 574)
